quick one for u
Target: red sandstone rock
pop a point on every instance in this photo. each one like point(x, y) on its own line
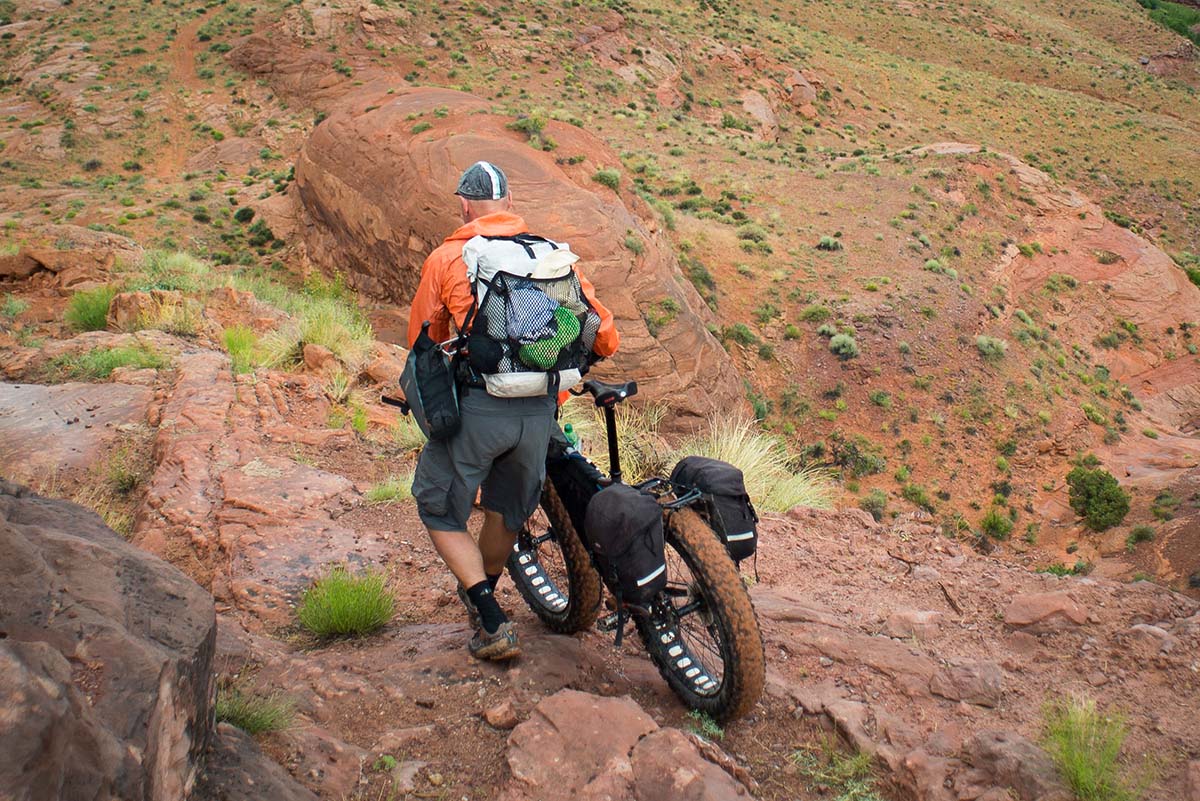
point(1044, 612)
point(502, 716)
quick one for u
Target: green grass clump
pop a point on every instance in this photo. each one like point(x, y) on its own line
point(161, 269)
point(391, 490)
point(251, 712)
point(321, 320)
point(1086, 744)
point(340, 604)
point(88, 310)
point(242, 344)
point(996, 524)
point(407, 434)
point(13, 307)
point(842, 777)
point(705, 726)
point(98, 363)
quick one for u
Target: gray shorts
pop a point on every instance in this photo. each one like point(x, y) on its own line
point(501, 447)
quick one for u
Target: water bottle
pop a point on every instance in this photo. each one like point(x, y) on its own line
point(571, 436)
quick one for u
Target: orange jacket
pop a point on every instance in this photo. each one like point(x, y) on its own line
point(445, 290)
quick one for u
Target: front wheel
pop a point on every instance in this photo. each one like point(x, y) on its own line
point(552, 569)
point(702, 633)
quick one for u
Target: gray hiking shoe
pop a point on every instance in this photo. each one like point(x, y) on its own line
point(503, 644)
point(472, 612)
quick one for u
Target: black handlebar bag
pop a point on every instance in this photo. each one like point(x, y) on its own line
point(725, 504)
point(625, 528)
point(430, 388)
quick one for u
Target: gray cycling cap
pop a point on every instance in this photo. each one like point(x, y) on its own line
point(483, 181)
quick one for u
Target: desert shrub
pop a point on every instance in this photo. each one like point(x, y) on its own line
point(1096, 496)
point(856, 456)
point(752, 232)
point(791, 332)
point(996, 524)
point(741, 334)
point(875, 502)
point(815, 313)
point(843, 346)
point(99, 363)
point(609, 177)
point(991, 348)
point(829, 243)
point(340, 604)
point(244, 215)
point(390, 490)
point(88, 310)
point(916, 494)
point(252, 712)
point(1086, 745)
point(1137, 535)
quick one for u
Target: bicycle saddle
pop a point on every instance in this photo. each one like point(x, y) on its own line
point(610, 394)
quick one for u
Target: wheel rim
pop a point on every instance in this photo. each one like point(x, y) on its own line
point(688, 637)
point(540, 564)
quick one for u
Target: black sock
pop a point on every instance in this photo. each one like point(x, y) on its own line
point(490, 613)
point(494, 580)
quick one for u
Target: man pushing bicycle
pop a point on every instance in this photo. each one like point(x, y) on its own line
point(530, 325)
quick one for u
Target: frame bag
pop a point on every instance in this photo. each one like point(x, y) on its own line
point(626, 532)
point(429, 388)
point(725, 503)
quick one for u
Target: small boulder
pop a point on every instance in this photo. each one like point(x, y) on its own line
point(979, 683)
point(666, 765)
point(319, 359)
point(905, 623)
point(1043, 612)
point(1006, 759)
point(502, 715)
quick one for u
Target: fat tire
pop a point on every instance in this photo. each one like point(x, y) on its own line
point(583, 591)
point(733, 613)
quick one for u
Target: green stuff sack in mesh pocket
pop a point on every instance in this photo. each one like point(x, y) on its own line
point(544, 353)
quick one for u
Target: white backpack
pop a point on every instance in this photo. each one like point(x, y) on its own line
point(531, 329)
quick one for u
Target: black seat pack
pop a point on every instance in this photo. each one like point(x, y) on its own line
point(625, 528)
point(725, 503)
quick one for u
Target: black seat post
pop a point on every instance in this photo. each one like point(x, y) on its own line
point(614, 455)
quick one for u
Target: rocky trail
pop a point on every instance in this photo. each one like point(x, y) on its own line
point(912, 648)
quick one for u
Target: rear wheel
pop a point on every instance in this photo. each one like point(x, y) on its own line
point(702, 633)
point(552, 568)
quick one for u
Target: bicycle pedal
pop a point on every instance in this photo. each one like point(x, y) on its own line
point(608, 623)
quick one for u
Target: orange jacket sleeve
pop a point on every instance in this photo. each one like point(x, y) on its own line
point(444, 291)
point(607, 338)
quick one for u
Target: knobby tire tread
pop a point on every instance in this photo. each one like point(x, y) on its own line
point(745, 670)
point(583, 590)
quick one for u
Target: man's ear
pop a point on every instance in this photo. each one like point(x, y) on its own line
point(464, 208)
point(508, 203)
